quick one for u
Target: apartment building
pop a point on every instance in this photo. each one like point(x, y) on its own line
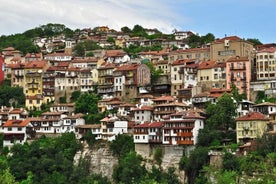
point(238, 73)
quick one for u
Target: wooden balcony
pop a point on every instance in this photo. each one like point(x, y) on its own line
point(185, 142)
point(185, 134)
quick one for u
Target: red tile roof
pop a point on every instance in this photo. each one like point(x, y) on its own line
point(206, 65)
point(36, 64)
point(114, 53)
point(164, 98)
point(146, 108)
point(127, 67)
point(253, 116)
point(150, 125)
point(237, 59)
point(230, 38)
point(16, 123)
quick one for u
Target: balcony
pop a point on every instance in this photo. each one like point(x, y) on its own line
point(157, 141)
point(185, 142)
point(185, 134)
point(243, 67)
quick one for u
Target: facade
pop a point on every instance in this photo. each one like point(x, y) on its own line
point(143, 114)
point(15, 132)
point(200, 54)
point(238, 73)
point(177, 76)
point(231, 46)
point(211, 74)
point(182, 128)
point(33, 83)
point(251, 126)
point(266, 64)
point(148, 133)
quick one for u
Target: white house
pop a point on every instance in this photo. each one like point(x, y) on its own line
point(149, 132)
point(15, 132)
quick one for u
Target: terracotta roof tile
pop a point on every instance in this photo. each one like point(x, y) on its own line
point(150, 125)
point(16, 123)
point(253, 116)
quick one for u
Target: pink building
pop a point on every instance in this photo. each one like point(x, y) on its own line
point(238, 72)
point(2, 69)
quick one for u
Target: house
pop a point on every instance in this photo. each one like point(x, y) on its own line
point(95, 129)
point(142, 114)
point(70, 122)
point(238, 73)
point(164, 109)
point(181, 35)
point(87, 63)
point(15, 132)
point(116, 56)
point(211, 74)
point(106, 79)
point(33, 88)
point(230, 46)
point(251, 126)
point(148, 133)
point(244, 107)
point(2, 68)
point(17, 74)
point(67, 108)
point(199, 54)
point(182, 128)
point(265, 108)
point(177, 76)
point(33, 57)
point(125, 109)
point(58, 57)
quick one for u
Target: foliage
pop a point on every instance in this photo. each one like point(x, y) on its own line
point(155, 73)
point(266, 144)
point(90, 54)
point(87, 103)
point(157, 155)
point(220, 116)
point(254, 41)
point(129, 169)
point(89, 138)
point(122, 145)
point(87, 45)
point(50, 160)
point(126, 29)
point(110, 39)
point(236, 95)
point(133, 50)
point(197, 41)
point(11, 96)
point(197, 159)
point(75, 95)
point(230, 162)
point(138, 31)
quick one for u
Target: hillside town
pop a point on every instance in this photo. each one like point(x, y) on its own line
point(164, 109)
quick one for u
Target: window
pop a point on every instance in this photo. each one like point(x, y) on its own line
point(9, 129)
point(19, 129)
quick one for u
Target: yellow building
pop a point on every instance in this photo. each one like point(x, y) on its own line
point(33, 73)
point(251, 126)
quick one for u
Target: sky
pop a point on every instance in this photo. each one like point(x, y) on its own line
point(243, 18)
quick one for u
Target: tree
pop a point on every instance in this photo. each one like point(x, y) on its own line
point(254, 41)
point(129, 169)
point(208, 38)
point(155, 73)
point(75, 95)
point(11, 96)
point(221, 116)
point(139, 31)
point(122, 145)
point(82, 47)
point(197, 159)
point(126, 29)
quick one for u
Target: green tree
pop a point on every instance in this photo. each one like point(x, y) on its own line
point(12, 96)
point(122, 145)
point(155, 73)
point(75, 95)
point(208, 38)
point(230, 162)
point(197, 159)
point(126, 29)
point(221, 116)
point(129, 169)
point(254, 41)
point(82, 47)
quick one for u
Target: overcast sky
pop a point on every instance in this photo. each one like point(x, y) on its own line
point(244, 18)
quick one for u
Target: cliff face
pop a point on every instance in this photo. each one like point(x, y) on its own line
point(103, 162)
point(101, 159)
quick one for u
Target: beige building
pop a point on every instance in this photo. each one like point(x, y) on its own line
point(211, 74)
point(200, 54)
point(266, 64)
point(223, 49)
point(251, 126)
